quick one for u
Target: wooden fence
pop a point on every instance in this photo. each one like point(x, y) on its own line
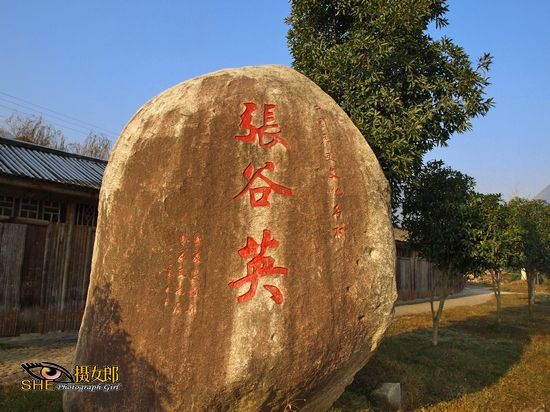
point(44, 275)
point(415, 278)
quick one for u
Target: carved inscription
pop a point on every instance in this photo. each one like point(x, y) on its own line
point(269, 134)
point(259, 195)
point(181, 294)
point(334, 178)
point(260, 265)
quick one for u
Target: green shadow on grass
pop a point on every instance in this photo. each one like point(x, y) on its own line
point(473, 354)
point(13, 399)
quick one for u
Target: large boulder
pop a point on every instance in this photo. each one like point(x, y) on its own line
point(244, 256)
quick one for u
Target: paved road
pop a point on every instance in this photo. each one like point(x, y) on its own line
point(471, 295)
point(59, 347)
point(34, 347)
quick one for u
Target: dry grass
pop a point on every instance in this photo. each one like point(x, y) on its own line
point(479, 365)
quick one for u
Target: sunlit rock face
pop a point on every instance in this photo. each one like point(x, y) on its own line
point(244, 256)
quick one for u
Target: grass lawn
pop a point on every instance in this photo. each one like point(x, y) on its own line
point(479, 365)
point(13, 399)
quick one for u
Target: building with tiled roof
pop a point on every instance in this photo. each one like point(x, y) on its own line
point(48, 214)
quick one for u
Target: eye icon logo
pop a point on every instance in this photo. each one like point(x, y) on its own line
point(48, 371)
point(49, 376)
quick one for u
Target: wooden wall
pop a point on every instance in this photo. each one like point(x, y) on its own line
point(44, 275)
point(415, 277)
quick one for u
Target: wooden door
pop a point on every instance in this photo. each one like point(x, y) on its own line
point(31, 279)
point(12, 248)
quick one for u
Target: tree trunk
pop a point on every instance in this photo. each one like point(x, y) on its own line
point(499, 311)
point(531, 279)
point(436, 316)
point(495, 277)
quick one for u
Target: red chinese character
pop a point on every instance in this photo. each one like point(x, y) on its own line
point(337, 191)
point(264, 191)
point(169, 271)
point(198, 239)
point(194, 292)
point(183, 238)
point(328, 156)
point(197, 256)
point(261, 132)
point(336, 211)
point(332, 174)
point(339, 232)
point(179, 291)
point(195, 275)
point(177, 309)
point(258, 267)
point(181, 256)
point(318, 108)
point(192, 309)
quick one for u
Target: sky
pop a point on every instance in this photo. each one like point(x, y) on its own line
point(89, 66)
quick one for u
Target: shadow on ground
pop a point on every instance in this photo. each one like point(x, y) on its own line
point(473, 354)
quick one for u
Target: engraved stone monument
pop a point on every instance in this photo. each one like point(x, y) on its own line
point(244, 256)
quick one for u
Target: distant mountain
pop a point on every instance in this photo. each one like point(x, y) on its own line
point(545, 194)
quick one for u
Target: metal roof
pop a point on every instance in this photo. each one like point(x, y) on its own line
point(31, 161)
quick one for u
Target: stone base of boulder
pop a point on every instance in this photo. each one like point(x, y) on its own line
point(390, 394)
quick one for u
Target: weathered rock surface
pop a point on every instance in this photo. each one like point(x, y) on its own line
point(244, 256)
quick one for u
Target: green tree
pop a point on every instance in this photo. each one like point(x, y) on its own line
point(533, 217)
point(406, 92)
point(438, 216)
point(498, 236)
